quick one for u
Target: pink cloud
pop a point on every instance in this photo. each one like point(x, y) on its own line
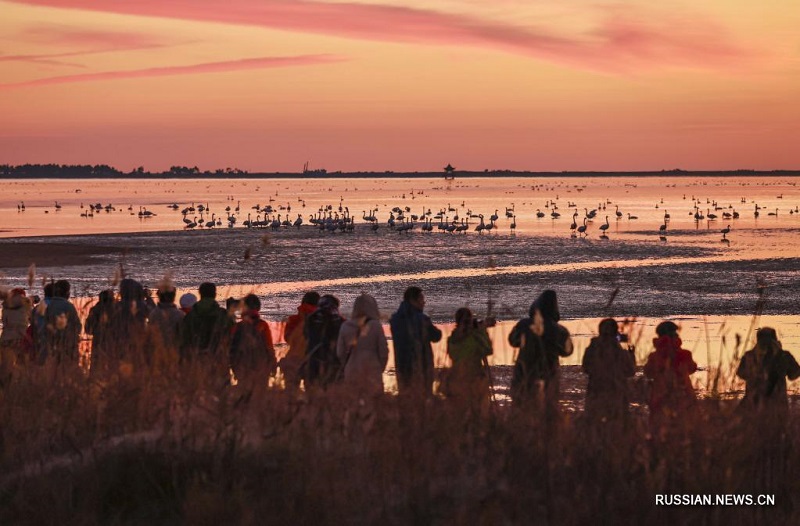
point(88, 42)
point(62, 36)
point(622, 41)
point(208, 67)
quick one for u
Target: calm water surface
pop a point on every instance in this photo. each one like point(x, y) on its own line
point(646, 198)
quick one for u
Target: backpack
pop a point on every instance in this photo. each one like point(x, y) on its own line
point(297, 340)
point(249, 347)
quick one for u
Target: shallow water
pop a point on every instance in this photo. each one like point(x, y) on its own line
point(647, 198)
point(690, 274)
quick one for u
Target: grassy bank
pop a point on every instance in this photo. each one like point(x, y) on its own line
point(169, 449)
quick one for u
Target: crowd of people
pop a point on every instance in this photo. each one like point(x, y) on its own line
point(128, 327)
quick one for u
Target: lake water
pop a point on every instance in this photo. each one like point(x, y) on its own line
point(710, 282)
point(646, 198)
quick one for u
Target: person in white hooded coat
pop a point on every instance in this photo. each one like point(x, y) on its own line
point(362, 347)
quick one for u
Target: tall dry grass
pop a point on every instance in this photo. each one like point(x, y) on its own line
point(174, 447)
point(136, 448)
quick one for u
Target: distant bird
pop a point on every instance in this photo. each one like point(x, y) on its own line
point(604, 228)
point(144, 212)
point(513, 224)
point(539, 213)
point(619, 214)
point(725, 231)
point(582, 228)
point(631, 217)
point(481, 226)
point(663, 228)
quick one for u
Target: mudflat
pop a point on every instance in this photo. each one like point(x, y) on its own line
point(20, 254)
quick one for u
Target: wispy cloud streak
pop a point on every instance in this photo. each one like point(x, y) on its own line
point(48, 59)
point(208, 67)
point(620, 41)
point(88, 42)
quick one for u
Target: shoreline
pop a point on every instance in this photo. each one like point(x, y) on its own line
point(652, 280)
point(471, 174)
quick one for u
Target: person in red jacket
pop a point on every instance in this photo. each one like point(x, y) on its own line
point(293, 334)
point(669, 367)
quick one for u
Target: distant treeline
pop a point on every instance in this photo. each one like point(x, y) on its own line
point(104, 171)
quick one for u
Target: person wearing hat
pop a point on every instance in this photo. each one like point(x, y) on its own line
point(187, 301)
point(541, 341)
point(669, 367)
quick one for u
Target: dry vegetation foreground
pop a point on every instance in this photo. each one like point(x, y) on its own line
point(158, 449)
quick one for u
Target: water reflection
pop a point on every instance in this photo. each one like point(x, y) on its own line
point(717, 344)
point(635, 206)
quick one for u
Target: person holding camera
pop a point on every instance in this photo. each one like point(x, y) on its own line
point(541, 341)
point(608, 367)
point(765, 369)
point(468, 347)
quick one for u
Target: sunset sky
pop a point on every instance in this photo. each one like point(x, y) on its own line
point(408, 85)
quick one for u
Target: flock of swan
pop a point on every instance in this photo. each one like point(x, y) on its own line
point(450, 219)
